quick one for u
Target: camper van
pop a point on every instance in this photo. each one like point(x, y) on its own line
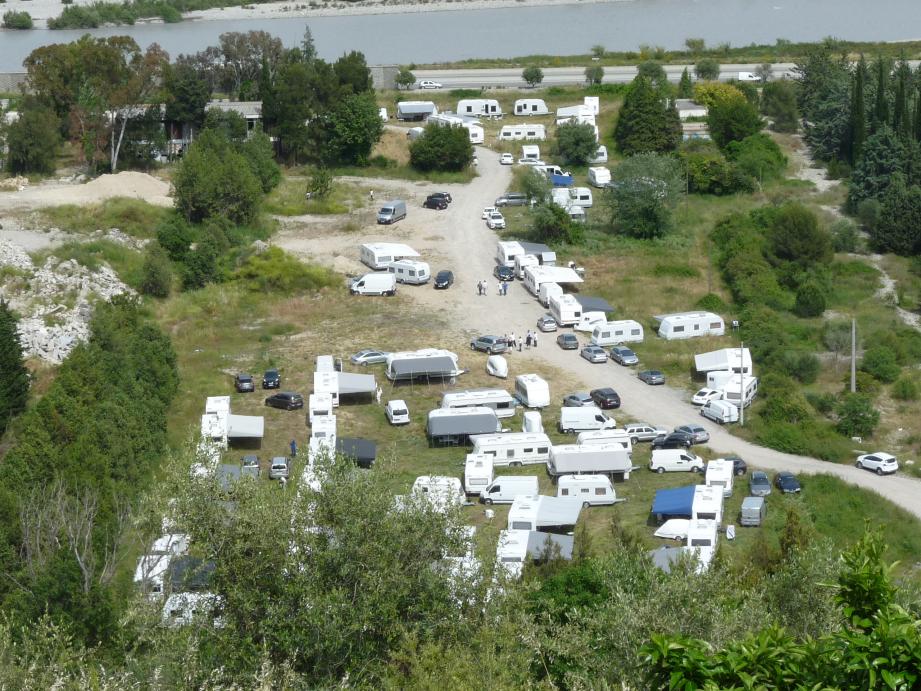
point(522, 261)
point(530, 152)
point(374, 284)
point(565, 309)
point(380, 255)
point(721, 412)
point(690, 325)
point(410, 271)
point(456, 425)
point(589, 320)
point(703, 536)
point(504, 489)
point(477, 473)
point(531, 106)
point(515, 133)
point(599, 177)
point(610, 435)
point(319, 405)
point(594, 458)
point(532, 422)
point(574, 420)
point(391, 212)
point(549, 514)
point(546, 291)
point(737, 391)
point(617, 333)
point(591, 490)
point(720, 473)
point(500, 400)
point(513, 448)
point(532, 391)
point(477, 107)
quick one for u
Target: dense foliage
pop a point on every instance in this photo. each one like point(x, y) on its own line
point(647, 122)
point(441, 148)
point(32, 140)
point(14, 377)
point(642, 196)
point(17, 20)
point(576, 143)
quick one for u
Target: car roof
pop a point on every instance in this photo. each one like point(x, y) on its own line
point(605, 389)
point(758, 475)
point(882, 455)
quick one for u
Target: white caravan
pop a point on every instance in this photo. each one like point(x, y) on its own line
point(589, 320)
point(534, 276)
point(576, 213)
point(319, 405)
point(530, 152)
point(735, 360)
point(740, 389)
point(380, 255)
point(580, 111)
point(690, 325)
point(327, 383)
point(499, 400)
point(325, 363)
point(513, 448)
point(517, 133)
point(532, 422)
point(477, 107)
point(506, 251)
point(441, 491)
point(152, 567)
point(720, 473)
point(323, 427)
point(717, 379)
point(703, 536)
point(532, 391)
point(531, 106)
point(410, 271)
point(593, 102)
point(497, 366)
point(617, 332)
point(591, 490)
point(605, 459)
point(566, 310)
point(505, 488)
point(477, 473)
point(601, 154)
point(515, 547)
point(522, 261)
point(549, 514)
point(599, 177)
point(546, 291)
point(707, 504)
point(605, 436)
point(572, 196)
point(583, 419)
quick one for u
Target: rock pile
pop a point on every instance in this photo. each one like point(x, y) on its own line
point(16, 183)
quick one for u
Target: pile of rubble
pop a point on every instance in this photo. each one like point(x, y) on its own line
point(15, 183)
point(55, 300)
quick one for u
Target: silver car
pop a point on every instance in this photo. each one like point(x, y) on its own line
point(759, 484)
point(369, 356)
point(697, 433)
point(547, 323)
point(622, 355)
point(280, 468)
point(580, 399)
point(595, 354)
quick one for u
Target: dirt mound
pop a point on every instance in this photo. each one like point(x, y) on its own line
point(128, 184)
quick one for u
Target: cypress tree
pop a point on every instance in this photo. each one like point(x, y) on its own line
point(685, 87)
point(646, 123)
point(917, 128)
point(858, 128)
point(14, 377)
point(881, 111)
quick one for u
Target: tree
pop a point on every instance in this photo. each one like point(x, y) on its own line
point(598, 51)
point(880, 362)
point(307, 47)
point(187, 95)
point(858, 115)
point(351, 129)
point(32, 140)
point(810, 300)
point(244, 58)
point(229, 124)
point(646, 123)
point(441, 148)
point(837, 338)
point(685, 86)
point(695, 45)
point(645, 189)
point(709, 93)
point(899, 219)
point(764, 71)
point(778, 103)
point(156, 273)
point(14, 377)
point(576, 143)
point(404, 79)
point(733, 119)
point(881, 105)
point(708, 171)
point(257, 149)
point(857, 416)
point(594, 74)
point(532, 75)
point(795, 237)
point(707, 69)
point(17, 20)
point(883, 156)
point(536, 186)
point(551, 223)
point(652, 71)
point(288, 108)
point(758, 156)
point(353, 73)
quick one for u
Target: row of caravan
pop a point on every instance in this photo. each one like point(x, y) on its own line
point(490, 107)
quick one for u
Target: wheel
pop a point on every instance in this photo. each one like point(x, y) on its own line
point(860, 465)
point(697, 469)
point(472, 347)
point(569, 431)
point(515, 464)
point(740, 473)
point(364, 364)
point(585, 505)
point(660, 469)
point(488, 502)
point(634, 441)
point(879, 471)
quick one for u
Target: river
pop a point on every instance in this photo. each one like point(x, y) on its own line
point(431, 36)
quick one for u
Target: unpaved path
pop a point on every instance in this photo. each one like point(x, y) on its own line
point(54, 192)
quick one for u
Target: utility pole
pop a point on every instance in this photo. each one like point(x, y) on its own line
point(742, 384)
point(853, 356)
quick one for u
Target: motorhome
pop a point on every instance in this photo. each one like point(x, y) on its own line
point(690, 325)
point(579, 459)
point(410, 271)
point(703, 537)
point(720, 473)
point(599, 177)
point(374, 284)
point(506, 251)
point(456, 425)
point(582, 419)
point(532, 422)
point(549, 514)
point(532, 391)
point(531, 106)
point(504, 489)
point(740, 389)
point(477, 107)
point(513, 448)
point(391, 212)
point(707, 504)
point(530, 152)
point(720, 411)
point(522, 261)
point(500, 400)
point(546, 291)
point(589, 320)
point(617, 332)
point(735, 360)
point(428, 363)
point(380, 255)
point(327, 383)
point(611, 435)
point(566, 310)
point(319, 405)
point(535, 275)
point(441, 491)
point(516, 133)
point(591, 490)
point(477, 473)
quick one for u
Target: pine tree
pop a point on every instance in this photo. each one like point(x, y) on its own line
point(881, 111)
point(901, 117)
point(646, 123)
point(917, 127)
point(685, 87)
point(14, 377)
point(858, 125)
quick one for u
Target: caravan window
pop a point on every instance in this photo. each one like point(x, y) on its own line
point(585, 490)
point(412, 273)
point(600, 491)
point(529, 450)
point(543, 449)
point(521, 525)
point(504, 405)
point(696, 327)
point(715, 325)
point(700, 542)
point(709, 515)
point(635, 332)
point(564, 493)
point(678, 329)
point(510, 453)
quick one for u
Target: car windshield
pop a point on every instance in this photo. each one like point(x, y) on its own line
point(245, 377)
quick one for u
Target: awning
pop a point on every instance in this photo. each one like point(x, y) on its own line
point(362, 451)
point(423, 367)
point(461, 422)
point(534, 247)
point(245, 426)
point(593, 304)
point(537, 544)
point(350, 383)
point(557, 274)
point(674, 503)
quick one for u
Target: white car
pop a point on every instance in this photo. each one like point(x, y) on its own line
point(506, 159)
point(488, 210)
point(496, 221)
point(706, 395)
point(530, 162)
point(429, 84)
point(880, 462)
point(397, 412)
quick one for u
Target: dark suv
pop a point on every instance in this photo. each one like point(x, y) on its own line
point(271, 379)
point(504, 273)
point(606, 398)
point(244, 383)
point(435, 201)
point(675, 440)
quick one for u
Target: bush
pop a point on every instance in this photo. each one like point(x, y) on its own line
point(792, 408)
point(276, 271)
point(32, 140)
point(881, 363)
point(17, 20)
point(156, 273)
point(905, 389)
point(551, 223)
point(822, 402)
point(810, 300)
point(258, 152)
point(856, 416)
point(175, 236)
point(707, 69)
point(200, 266)
point(642, 199)
point(778, 102)
point(868, 212)
point(441, 148)
point(803, 366)
point(844, 235)
point(784, 437)
point(576, 143)
point(732, 119)
point(708, 171)
point(712, 302)
point(865, 383)
point(758, 156)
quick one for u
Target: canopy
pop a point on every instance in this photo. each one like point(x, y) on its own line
point(594, 304)
point(350, 383)
point(423, 367)
point(362, 451)
point(673, 503)
point(534, 247)
point(245, 426)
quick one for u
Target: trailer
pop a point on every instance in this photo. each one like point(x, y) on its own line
point(703, 538)
point(516, 547)
point(549, 514)
point(532, 391)
point(517, 133)
point(479, 107)
point(415, 110)
point(617, 332)
point(478, 473)
point(513, 448)
point(591, 490)
point(499, 400)
point(605, 436)
point(531, 106)
point(690, 325)
point(577, 459)
point(565, 309)
point(707, 503)
point(506, 251)
point(547, 290)
point(534, 276)
point(599, 176)
point(720, 473)
point(380, 255)
point(452, 426)
point(740, 389)
point(429, 363)
point(736, 360)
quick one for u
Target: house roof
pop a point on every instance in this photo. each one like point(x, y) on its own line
point(251, 110)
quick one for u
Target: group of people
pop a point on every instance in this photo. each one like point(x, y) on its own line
point(482, 288)
point(528, 341)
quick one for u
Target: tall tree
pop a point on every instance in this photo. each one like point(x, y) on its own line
point(883, 155)
point(14, 377)
point(646, 123)
point(353, 73)
point(881, 107)
point(32, 140)
point(308, 49)
point(901, 110)
point(685, 87)
point(916, 127)
point(242, 57)
point(858, 124)
point(187, 94)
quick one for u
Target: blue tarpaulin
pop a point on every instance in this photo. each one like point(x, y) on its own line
point(673, 503)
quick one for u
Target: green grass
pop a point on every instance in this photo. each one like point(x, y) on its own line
point(131, 216)
point(290, 199)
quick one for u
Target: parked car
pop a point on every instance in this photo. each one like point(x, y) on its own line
point(250, 466)
point(244, 383)
point(605, 398)
point(512, 199)
point(706, 395)
point(653, 377)
point(739, 466)
point(675, 460)
point(434, 201)
point(504, 273)
point(443, 280)
point(496, 221)
point(429, 84)
point(488, 210)
point(580, 399)
point(546, 323)
point(697, 433)
point(506, 159)
point(444, 195)
point(622, 355)
point(787, 483)
point(642, 431)
point(489, 344)
point(880, 462)
point(594, 353)
point(759, 485)
point(531, 162)
point(286, 400)
point(567, 341)
point(397, 412)
point(369, 356)
point(672, 440)
point(280, 468)
point(271, 379)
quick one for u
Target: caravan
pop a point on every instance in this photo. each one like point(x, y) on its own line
point(566, 310)
point(605, 459)
point(515, 133)
point(500, 400)
point(611, 435)
point(589, 320)
point(534, 276)
point(707, 504)
point(522, 261)
point(455, 426)
point(601, 154)
point(477, 473)
point(735, 360)
point(429, 363)
point(740, 389)
point(513, 448)
point(720, 473)
point(599, 177)
point(547, 290)
point(532, 391)
point(572, 196)
point(410, 271)
point(591, 490)
point(319, 405)
point(380, 255)
point(530, 152)
point(690, 325)
point(531, 106)
point(549, 514)
point(487, 107)
point(617, 332)
point(506, 251)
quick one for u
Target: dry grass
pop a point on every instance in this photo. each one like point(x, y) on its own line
point(393, 145)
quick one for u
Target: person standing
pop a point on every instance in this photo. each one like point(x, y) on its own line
point(378, 394)
point(371, 195)
point(534, 339)
point(293, 446)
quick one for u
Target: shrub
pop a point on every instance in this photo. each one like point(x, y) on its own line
point(778, 102)
point(707, 69)
point(758, 156)
point(810, 300)
point(175, 236)
point(441, 148)
point(259, 155)
point(803, 366)
point(865, 383)
point(792, 408)
point(712, 302)
point(576, 143)
point(17, 20)
point(709, 172)
point(856, 416)
point(905, 389)
point(783, 436)
point(276, 271)
point(156, 273)
point(32, 140)
point(881, 363)
point(868, 212)
point(732, 119)
point(822, 402)
point(646, 190)
point(844, 235)
point(551, 223)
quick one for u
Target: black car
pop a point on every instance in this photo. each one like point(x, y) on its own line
point(244, 383)
point(567, 341)
point(787, 483)
point(442, 195)
point(271, 379)
point(739, 466)
point(674, 440)
point(605, 398)
point(444, 279)
point(504, 273)
point(434, 201)
point(286, 400)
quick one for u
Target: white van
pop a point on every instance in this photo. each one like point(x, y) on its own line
point(513, 448)
point(720, 412)
point(593, 490)
point(374, 284)
point(504, 489)
point(532, 391)
point(599, 177)
point(531, 422)
point(410, 271)
point(319, 405)
point(617, 332)
point(720, 473)
point(477, 473)
point(675, 460)
point(585, 418)
point(392, 211)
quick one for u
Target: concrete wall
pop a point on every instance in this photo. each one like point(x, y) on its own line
point(10, 81)
point(384, 76)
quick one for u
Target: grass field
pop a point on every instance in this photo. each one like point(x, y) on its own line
point(131, 216)
point(290, 198)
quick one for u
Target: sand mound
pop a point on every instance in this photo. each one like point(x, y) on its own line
point(127, 184)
